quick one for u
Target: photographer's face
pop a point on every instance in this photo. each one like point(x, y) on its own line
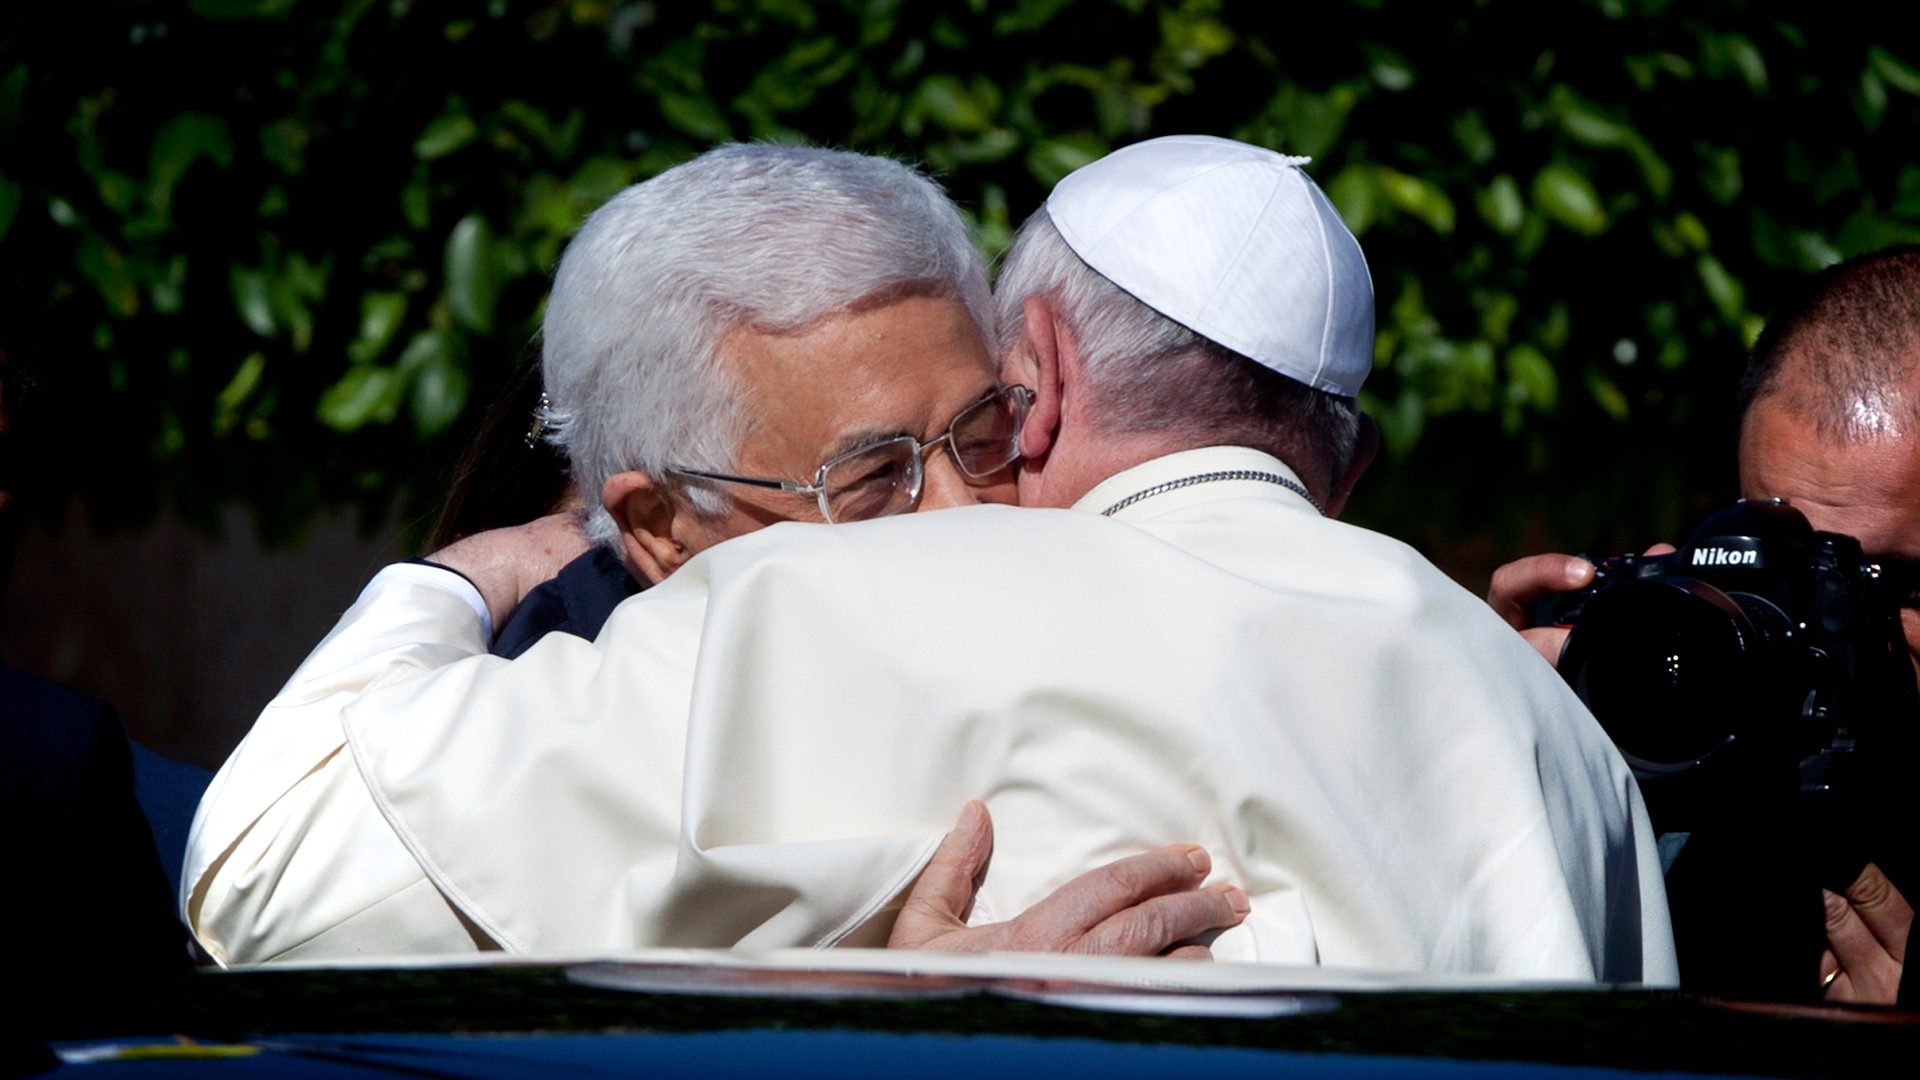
point(1867, 490)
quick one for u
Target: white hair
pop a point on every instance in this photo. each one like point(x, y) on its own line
point(1146, 372)
point(769, 237)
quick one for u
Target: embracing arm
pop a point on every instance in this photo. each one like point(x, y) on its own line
point(285, 845)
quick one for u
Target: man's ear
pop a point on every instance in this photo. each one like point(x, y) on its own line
point(647, 514)
point(1035, 363)
point(1366, 446)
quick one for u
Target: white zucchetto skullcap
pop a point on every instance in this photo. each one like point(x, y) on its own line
point(1233, 242)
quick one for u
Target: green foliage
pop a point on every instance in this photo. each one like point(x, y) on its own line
point(282, 252)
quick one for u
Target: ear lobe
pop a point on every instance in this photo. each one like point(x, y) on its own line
point(1039, 354)
point(1366, 447)
point(645, 511)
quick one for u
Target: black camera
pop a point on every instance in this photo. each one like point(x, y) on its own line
point(1761, 656)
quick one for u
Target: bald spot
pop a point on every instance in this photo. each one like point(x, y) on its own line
point(1846, 359)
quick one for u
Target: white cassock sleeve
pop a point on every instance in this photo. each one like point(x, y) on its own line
point(288, 857)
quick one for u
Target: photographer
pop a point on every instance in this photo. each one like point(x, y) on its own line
point(1829, 421)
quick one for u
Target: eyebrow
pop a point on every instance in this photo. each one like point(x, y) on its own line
point(861, 440)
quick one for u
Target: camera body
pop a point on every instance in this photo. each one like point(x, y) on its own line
point(1762, 657)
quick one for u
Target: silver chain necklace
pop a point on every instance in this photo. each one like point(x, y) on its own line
point(1208, 478)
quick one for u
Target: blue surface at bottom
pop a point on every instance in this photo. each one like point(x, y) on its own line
point(789, 1054)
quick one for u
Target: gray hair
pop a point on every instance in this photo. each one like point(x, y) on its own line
point(769, 237)
point(1148, 373)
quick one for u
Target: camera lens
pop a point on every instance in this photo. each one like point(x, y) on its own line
point(1664, 664)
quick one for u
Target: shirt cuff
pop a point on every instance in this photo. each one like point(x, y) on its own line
point(444, 578)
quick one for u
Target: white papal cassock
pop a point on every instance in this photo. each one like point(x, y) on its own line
point(765, 749)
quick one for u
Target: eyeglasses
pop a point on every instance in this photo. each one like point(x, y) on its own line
point(886, 477)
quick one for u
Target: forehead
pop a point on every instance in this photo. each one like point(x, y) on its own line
point(1868, 489)
point(900, 368)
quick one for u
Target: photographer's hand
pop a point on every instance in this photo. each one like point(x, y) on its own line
point(1518, 585)
point(1866, 940)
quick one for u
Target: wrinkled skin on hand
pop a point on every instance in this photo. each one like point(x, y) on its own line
point(1866, 940)
point(507, 564)
point(1144, 905)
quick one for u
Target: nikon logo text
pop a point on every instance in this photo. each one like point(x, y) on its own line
point(1715, 556)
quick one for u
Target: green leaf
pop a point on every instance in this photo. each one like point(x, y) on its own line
point(1729, 296)
point(1297, 122)
point(1051, 160)
point(1352, 192)
point(107, 268)
point(696, 115)
point(289, 293)
point(1747, 60)
point(1500, 205)
point(1900, 76)
point(1865, 231)
point(381, 314)
point(953, 105)
point(1608, 396)
point(1872, 102)
point(1585, 124)
point(166, 288)
point(439, 392)
point(1470, 131)
point(226, 406)
point(444, 135)
point(1720, 176)
point(1531, 379)
point(284, 142)
point(416, 200)
point(471, 284)
point(1030, 15)
point(1565, 195)
point(366, 393)
point(179, 143)
point(1905, 204)
point(1496, 317)
point(250, 300)
point(1390, 70)
point(1691, 231)
point(1421, 198)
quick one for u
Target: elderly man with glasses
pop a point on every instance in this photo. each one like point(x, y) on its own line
point(757, 314)
point(1177, 640)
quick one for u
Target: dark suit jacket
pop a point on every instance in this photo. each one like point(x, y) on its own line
point(577, 601)
point(87, 892)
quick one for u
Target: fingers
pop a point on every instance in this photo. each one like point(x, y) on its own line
point(1154, 926)
point(1886, 913)
point(1834, 985)
point(1547, 641)
point(1867, 972)
point(1661, 549)
point(1091, 899)
point(1188, 952)
point(1519, 583)
point(942, 898)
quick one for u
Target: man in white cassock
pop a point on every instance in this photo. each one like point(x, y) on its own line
point(763, 749)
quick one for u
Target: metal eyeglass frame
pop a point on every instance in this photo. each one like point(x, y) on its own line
point(1020, 397)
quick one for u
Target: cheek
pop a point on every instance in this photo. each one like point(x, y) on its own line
point(1000, 489)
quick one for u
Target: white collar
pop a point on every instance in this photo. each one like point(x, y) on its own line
point(1135, 483)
